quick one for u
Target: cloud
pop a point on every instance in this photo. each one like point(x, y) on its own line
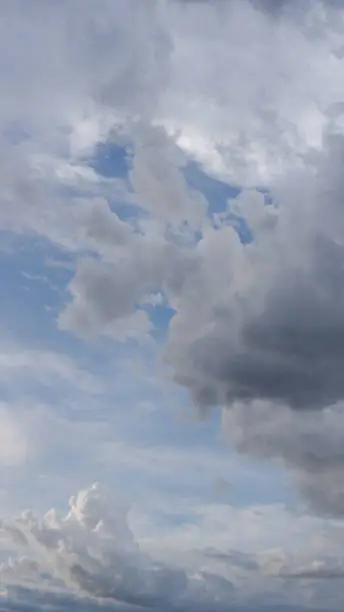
point(104, 293)
point(247, 112)
point(100, 72)
point(255, 99)
point(97, 66)
point(259, 327)
point(254, 96)
point(92, 557)
point(93, 550)
point(97, 89)
point(274, 314)
point(309, 445)
point(19, 599)
point(159, 183)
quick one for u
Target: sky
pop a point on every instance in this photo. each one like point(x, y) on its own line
point(172, 305)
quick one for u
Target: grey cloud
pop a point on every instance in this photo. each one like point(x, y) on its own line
point(97, 64)
point(16, 535)
point(107, 290)
point(26, 600)
point(86, 38)
point(21, 599)
point(104, 226)
point(103, 293)
point(261, 330)
point(315, 574)
point(257, 322)
point(279, 336)
point(234, 558)
point(109, 63)
point(309, 444)
point(278, 8)
point(159, 183)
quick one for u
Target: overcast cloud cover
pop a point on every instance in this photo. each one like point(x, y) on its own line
point(172, 305)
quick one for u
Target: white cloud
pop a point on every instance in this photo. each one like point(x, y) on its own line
point(160, 185)
point(14, 446)
point(246, 94)
point(93, 551)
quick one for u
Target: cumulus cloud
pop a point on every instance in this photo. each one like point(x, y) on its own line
point(273, 316)
point(242, 329)
point(241, 114)
point(161, 186)
point(93, 550)
point(91, 557)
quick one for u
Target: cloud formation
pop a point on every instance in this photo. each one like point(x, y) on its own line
point(91, 557)
point(252, 92)
point(275, 315)
point(93, 550)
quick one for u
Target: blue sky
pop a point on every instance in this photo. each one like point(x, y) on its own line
point(99, 410)
point(36, 276)
point(171, 234)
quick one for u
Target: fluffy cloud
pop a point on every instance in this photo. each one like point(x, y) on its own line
point(242, 114)
point(93, 550)
point(272, 308)
point(92, 558)
point(268, 335)
point(242, 329)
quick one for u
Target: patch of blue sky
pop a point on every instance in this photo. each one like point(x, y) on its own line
point(268, 197)
point(174, 421)
point(27, 292)
point(241, 228)
point(160, 316)
point(217, 193)
point(33, 291)
point(265, 484)
point(111, 160)
point(249, 484)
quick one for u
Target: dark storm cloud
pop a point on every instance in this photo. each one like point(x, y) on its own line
point(280, 336)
